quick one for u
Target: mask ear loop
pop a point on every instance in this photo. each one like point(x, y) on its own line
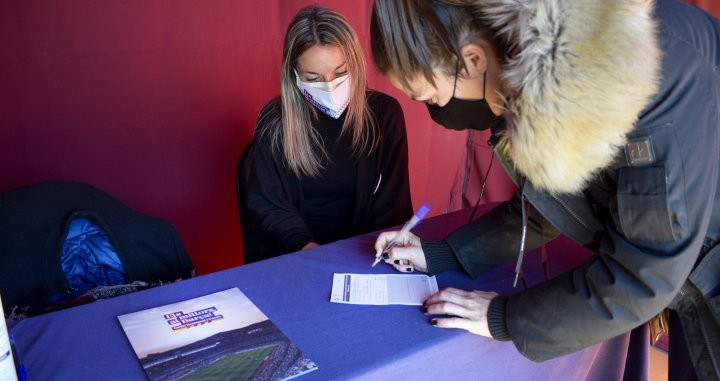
point(457, 69)
point(482, 189)
point(492, 156)
point(485, 85)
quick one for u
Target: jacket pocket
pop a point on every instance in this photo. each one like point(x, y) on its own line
point(643, 205)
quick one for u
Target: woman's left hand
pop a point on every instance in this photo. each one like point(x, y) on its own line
point(309, 245)
point(469, 309)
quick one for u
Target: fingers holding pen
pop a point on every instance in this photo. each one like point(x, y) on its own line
point(383, 240)
point(404, 254)
point(407, 258)
point(386, 239)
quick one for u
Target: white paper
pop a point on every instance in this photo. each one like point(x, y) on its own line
point(382, 289)
point(7, 363)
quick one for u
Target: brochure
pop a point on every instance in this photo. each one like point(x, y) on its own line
point(221, 336)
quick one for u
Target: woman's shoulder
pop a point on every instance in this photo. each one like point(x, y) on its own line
point(387, 113)
point(268, 117)
point(378, 100)
point(272, 109)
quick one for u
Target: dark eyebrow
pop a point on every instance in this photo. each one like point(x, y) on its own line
point(312, 72)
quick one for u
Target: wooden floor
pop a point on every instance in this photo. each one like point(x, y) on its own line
point(658, 365)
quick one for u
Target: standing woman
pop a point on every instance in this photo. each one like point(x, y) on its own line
point(330, 156)
point(606, 115)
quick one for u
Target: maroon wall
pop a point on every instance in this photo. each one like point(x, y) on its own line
point(712, 6)
point(153, 102)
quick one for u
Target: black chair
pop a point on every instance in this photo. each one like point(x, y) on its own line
point(242, 176)
point(34, 221)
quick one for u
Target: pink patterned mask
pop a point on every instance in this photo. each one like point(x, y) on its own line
point(332, 98)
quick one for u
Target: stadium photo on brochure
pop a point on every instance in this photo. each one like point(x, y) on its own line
point(221, 336)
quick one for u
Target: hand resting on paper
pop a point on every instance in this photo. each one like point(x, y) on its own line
point(468, 309)
point(406, 256)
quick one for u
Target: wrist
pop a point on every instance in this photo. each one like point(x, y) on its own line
point(439, 256)
point(496, 319)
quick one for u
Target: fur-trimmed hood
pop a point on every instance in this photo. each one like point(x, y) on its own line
point(580, 72)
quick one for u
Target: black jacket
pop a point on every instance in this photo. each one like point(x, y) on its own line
point(275, 199)
point(34, 222)
point(652, 216)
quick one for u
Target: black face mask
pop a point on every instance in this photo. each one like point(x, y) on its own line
point(459, 114)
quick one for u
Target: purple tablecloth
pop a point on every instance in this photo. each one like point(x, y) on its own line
point(346, 341)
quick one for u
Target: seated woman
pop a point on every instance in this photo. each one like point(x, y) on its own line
point(330, 156)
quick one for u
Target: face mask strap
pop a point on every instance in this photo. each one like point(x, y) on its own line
point(484, 82)
point(457, 68)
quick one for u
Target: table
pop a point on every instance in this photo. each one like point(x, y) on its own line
point(346, 341)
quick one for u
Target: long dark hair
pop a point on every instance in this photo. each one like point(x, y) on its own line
point(411, 37)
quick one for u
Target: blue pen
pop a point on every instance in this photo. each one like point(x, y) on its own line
point(398, 239)
point(19, 367)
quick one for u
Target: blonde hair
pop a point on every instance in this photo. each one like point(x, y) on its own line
point(291, 132)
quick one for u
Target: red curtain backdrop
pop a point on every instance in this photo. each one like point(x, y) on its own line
point(712, 6)
point(154, 100)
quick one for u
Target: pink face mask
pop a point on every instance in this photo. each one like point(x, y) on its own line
point(332, 98)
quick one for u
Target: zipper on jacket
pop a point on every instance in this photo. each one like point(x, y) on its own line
point(468, 158)
point(572, 213)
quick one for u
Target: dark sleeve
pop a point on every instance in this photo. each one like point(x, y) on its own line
point(621, 288)
point(390, 203)
point(663, 212)
point(636, 272)
point(272, 211)
point(491, 240)
point(439, 257)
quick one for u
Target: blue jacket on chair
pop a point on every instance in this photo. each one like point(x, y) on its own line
point(35, 220)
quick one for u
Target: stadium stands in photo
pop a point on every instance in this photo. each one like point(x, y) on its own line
point(283, 361)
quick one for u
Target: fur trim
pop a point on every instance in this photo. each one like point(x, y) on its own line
point(580, 72)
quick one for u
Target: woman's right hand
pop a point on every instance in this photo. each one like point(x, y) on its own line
point(406, 256)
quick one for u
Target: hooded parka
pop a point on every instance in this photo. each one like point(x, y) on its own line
point(612, 135)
